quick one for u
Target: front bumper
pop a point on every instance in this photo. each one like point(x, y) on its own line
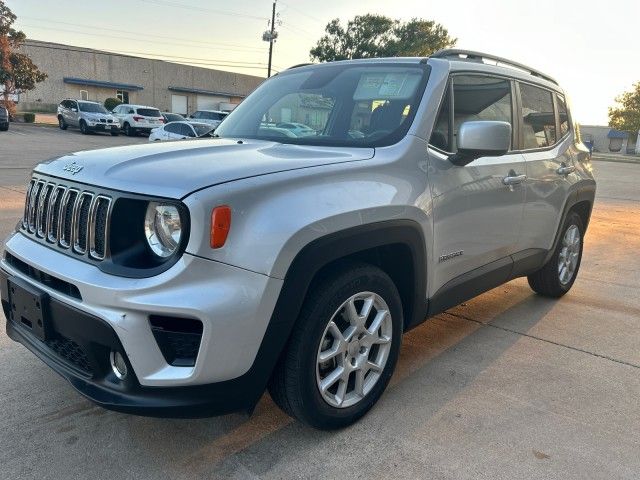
point(93, 338)
point(104, 127)
point(234, 306)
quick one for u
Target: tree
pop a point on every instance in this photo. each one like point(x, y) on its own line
point(626, 115)
point(17, 72)
point(111, 103)
point(370, 36)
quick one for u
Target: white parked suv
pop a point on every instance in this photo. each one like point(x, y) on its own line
point(184, 279)
point(138, 118)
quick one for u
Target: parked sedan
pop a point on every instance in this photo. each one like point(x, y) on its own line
point(172, 117)
point(181, 131)
point(212, 117)
point(299, 129)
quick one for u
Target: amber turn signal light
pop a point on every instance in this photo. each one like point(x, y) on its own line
point(220, 225)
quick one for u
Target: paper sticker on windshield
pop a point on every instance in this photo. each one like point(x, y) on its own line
point(385, 85)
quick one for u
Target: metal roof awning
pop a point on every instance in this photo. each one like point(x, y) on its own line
point(101, 83)
point(613, 133)
point(200, 91)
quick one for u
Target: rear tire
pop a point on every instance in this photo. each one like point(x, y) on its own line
point(327, 343)
point(556, 277)
point(62, 124)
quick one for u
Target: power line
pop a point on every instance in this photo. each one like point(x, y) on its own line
point(302, 12)
point(120, 37)
point(167, 3)
point(94, 27)
point(108, 52)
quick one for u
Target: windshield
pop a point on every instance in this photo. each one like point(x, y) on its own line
point(335, 105)
point(92, 107)
point(202, 130)
point(212, 115)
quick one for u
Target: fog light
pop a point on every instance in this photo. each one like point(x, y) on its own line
point(118, 365)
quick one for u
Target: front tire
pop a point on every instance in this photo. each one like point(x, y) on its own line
point(84, 129)
point(556, 277)
point(129, 131)
point(343, 349)
point(115, 134)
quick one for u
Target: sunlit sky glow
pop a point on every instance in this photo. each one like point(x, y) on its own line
point(591, 47)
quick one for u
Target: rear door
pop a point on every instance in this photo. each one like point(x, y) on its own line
point(477, 218)
point(547, 146)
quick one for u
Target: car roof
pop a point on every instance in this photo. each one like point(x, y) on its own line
point(137, 106)
point(211, 111)
point(80, 101)
point(457, 60)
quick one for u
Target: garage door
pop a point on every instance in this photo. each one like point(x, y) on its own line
point(209, 102)
point(179, 104)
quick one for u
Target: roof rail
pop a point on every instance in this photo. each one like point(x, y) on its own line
point(470, 55)
point(300, 65)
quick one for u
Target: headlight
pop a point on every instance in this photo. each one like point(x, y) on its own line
point(162, 228)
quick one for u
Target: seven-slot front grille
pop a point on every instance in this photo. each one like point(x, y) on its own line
point(68, 217)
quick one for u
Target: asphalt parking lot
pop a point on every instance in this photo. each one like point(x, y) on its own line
point(506, 386)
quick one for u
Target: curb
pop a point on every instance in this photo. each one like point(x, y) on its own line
point(616, 160)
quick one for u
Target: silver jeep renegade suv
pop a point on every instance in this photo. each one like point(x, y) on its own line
point(185, 279)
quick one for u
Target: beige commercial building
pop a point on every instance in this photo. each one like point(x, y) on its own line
point(83, 73)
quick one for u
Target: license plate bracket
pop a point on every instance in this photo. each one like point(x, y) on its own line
point(29, 307)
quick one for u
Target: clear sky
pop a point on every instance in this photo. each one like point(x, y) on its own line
point(592, 47)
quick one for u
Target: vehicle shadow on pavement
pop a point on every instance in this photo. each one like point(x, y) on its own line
point(439, 360)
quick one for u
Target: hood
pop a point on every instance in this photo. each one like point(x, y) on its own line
point(97, 115)
point(178, 168)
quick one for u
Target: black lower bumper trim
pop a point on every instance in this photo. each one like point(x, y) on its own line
point(97, 338)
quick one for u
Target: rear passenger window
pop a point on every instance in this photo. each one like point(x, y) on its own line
point(563, 115)
point(480, 98)
point(538, 119)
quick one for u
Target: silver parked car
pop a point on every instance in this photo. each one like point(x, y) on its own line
point(185, 278)
point(88, 116)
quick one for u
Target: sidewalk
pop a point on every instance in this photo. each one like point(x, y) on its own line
point(615, 157)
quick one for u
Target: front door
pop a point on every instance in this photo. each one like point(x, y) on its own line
point(477, 216)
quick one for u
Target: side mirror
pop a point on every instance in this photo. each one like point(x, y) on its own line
point(74, 109)
point(483, 138)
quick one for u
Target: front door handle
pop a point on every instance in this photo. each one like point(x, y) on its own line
point(514, 179)
point(565, 170)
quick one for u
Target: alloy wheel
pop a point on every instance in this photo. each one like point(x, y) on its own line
point(354, 349)
point(569, 254)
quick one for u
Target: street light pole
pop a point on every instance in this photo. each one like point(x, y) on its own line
point(273, 26)
point(270, 36)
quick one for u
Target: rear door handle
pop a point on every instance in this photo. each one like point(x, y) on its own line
point(566, 170)
point(514, 179)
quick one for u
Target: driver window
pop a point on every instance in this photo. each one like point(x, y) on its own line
point(480, 98)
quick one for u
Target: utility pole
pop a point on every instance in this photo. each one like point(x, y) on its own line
point(270, 36)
